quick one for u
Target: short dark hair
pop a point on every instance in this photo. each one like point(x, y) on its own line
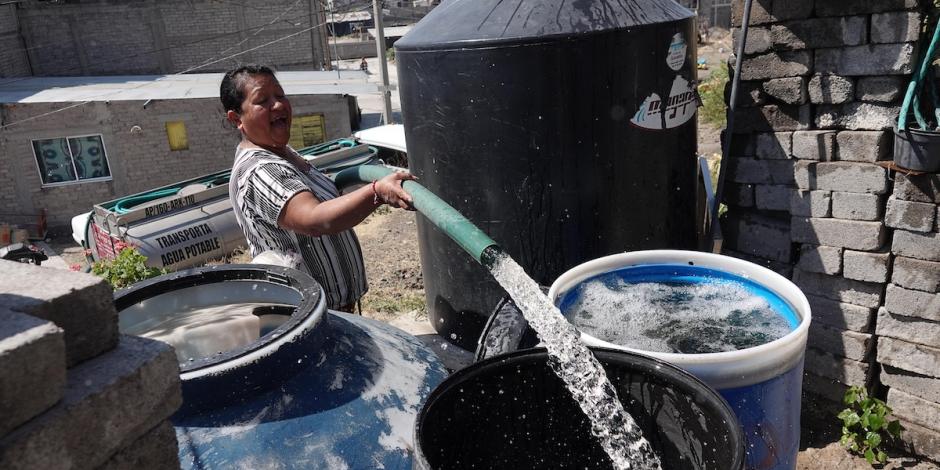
point(232, 92)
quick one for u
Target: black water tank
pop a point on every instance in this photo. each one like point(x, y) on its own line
point(540, 120)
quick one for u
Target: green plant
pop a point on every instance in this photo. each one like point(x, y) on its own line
point(865, 426)
point(712, 92)
point(390, 54)
point(128, 267)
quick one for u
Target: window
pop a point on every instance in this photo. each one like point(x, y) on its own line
point(71, 159)
point(307, 130)
point(176, 135)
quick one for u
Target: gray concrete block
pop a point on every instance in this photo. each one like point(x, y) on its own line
point(895, 26)
point(742, 145)
point(781, 171)
point(777, 65)
point(841, 176)
point(865, 266)
point(773, 145)
point(916, 274)
point(921, 441)
point(771, 118)
point(750, 94)
point(921, 188)
point(910, 215)
point(811, 203)
point(814, 145)
point(739, 195)
point(856, 206)
point(841, 315)
point(155, 449)
point(817, 33)
point(918, 385)
point(864, 146)
point(821, 387)
point(820, 259)
point(80, 304)
point(783, 269)
point(912, 303)
point(772, 197)
point(925, 246)
point(860, 293)
point(788, 90)
point(748, 171)
point(792, 9)
point(758, 235)
point(830, 89)
point(910, 329)
point(847, 344)
point(870, 59)
point(882, 89)
point(758, 40)
point(914, 409)
point(32, 367)
point(856, 116)
point(109, 401)
point(852, 234)
point(761, 12)
point(912, 357)
point(856, 7)
point(842, 370)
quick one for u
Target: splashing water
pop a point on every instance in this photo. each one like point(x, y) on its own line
point(583, 375)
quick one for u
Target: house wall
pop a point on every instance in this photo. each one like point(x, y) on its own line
point(13, 59)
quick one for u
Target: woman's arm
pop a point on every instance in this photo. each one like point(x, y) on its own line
point(303, 213)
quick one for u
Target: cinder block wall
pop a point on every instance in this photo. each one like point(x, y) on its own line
point(822, 84)
point(74, 394)
point(13, 58)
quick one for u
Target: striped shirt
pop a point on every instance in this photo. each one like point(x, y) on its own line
point(260, 186)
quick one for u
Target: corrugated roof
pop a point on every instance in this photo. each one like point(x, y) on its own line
point(168, 87)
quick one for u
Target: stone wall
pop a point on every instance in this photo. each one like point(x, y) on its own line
point(822, 84)
point(13, 59)
point(73, 392)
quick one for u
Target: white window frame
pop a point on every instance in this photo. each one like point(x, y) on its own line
point(77, 180)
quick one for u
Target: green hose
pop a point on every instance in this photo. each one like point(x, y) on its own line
point(913, 88)
point(441, 214)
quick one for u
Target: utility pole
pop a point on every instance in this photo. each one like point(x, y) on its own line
point(380, 51)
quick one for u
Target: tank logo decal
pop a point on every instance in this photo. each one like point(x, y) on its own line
point(188, 251)
point(675, 58)
point(679, 109)
point(168, 206)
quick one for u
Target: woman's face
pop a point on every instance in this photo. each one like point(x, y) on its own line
point(266, 113)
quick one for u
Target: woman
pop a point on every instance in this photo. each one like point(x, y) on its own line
point(284, 204)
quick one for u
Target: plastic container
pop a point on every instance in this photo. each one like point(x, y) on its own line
point(762, 383)
point(315, 389)
point(513, 412)
point(917, 150)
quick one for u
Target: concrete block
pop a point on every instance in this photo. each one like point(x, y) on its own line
point(830, 89)
point(912, 303)
point(921, 188)
point(908, 356)
point(748, 171)
point(817, 33)
point(841, 315)
point(856, 206)
point(865, 266)
point(742, 145)
point(914, 409)
point(856, 7)
point(925, 246)
point(921, 441)
point(842, 370)
point(860, 293)
point(781, 171)
point(852, 234)
point(739, 195)
point(918, 385)
point(847, 344)
point(109, 401)
point(792, 9)
point(910, 329)
point(910, 215)
point(820, 259)
point(814, 145)
point(864, 60)
point(32, 367)
point(895, 26)
point(777, 65)
point(856, 116)
point(750, 94)
point(758, 235)
point(758, 40)
point(841, 176)
point(811, 203)
point(771, 118)
point(822, 387)
point(788, 90)
point(773, 197)
point(155, 449)
point(883, 89)
point(773, 145)
point(783, 269)
point(761, 12)
point(80, 304)
point(864, 146)
point(916, 274)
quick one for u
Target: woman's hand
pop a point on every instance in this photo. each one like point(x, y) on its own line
point(390, 191)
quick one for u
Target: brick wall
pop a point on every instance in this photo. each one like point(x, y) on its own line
point(13, 59)
point(822, 87)
point(138, 159)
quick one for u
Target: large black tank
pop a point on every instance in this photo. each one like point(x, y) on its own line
point(542, 121)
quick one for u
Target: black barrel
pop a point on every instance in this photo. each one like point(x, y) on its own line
point(513, 412)
point(542, 122)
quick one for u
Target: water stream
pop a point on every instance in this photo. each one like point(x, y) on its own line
point(573, 362)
